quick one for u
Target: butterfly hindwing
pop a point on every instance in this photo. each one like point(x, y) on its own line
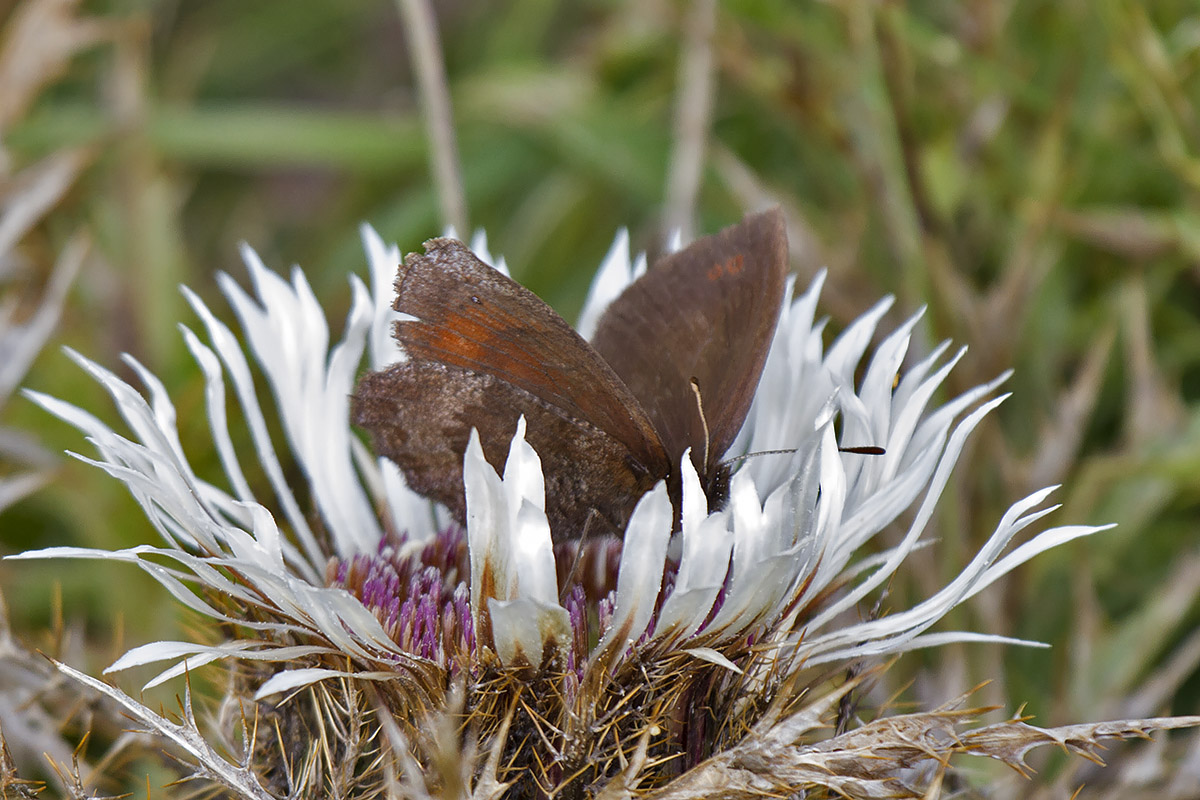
point(469, 315)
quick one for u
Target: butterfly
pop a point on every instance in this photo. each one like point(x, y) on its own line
point(674, 364)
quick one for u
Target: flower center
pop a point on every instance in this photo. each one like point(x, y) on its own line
point(420, 593)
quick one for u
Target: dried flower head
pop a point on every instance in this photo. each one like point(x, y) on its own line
point(380, 649)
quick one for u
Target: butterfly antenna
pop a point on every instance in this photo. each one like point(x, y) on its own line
point(703, 419)
point(867, 450)
point(756, 453)
point(574, 573)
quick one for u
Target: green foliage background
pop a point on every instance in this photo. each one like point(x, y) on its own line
point(1030, 171)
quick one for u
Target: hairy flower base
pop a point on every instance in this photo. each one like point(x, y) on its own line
point(564, 730)
point(575, 719)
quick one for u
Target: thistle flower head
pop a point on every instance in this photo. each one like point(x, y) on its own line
point(582, 666)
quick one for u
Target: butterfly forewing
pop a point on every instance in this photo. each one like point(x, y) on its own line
point(471, 316)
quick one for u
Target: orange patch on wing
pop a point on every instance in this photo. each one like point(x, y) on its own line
point(729, 267)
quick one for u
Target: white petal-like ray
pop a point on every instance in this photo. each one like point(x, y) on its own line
point(299, 606)
point(229, 350)
point(383, 262)
point(218, 420)
point(616, 272)
point(639, 580)
point(901, 631)
point(289, 337)
point(707, 546)
point(528, 630)
point(941, 477)
point(290, 679)
point(211, 763)
point(514, 585)
point(410, 512)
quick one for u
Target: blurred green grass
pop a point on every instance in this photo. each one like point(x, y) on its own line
point(1029, 171)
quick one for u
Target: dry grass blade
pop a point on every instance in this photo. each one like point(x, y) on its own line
point(693, 113)
point(24, 201)
point(1155, 408)
point(1131, 233)
point(39, 41)
point(20, 344)
point(1156, 689)
point(27, 196)
point(886, 757)
point(1012, 740)
point(622, 787)
point(1062, 437)
point(435, 99)
point(488, 786)
point(410, 783)
point(999, 165)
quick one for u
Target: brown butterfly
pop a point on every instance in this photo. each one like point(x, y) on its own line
point(674, 364)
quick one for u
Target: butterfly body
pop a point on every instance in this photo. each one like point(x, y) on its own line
point(673, 364)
